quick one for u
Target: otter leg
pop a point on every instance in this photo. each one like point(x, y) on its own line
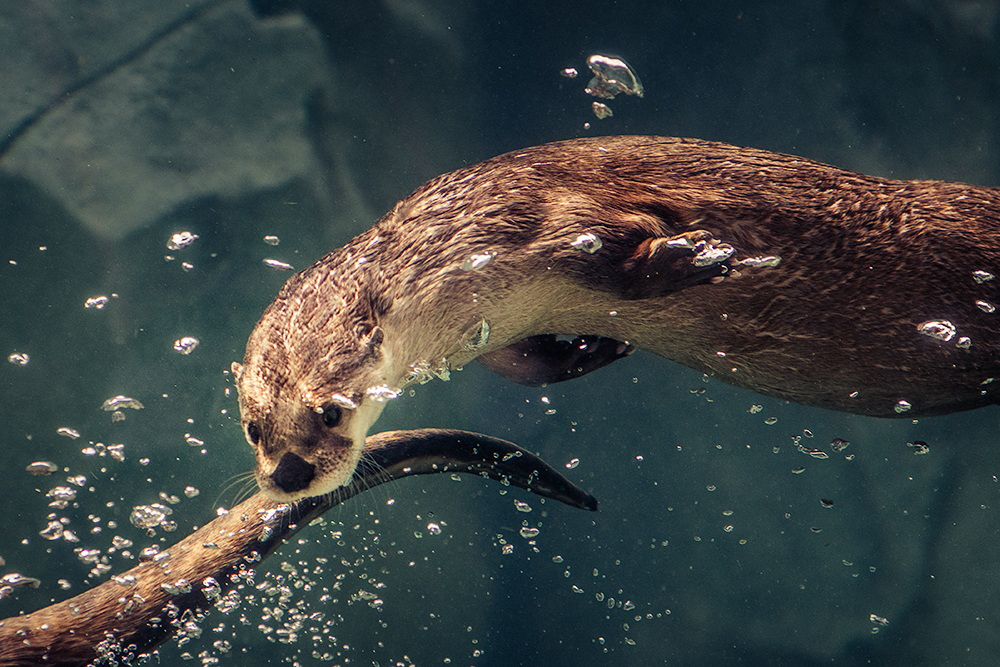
point(539, 360)
point(663, 265)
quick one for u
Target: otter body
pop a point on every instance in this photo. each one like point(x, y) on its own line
point(770, 272)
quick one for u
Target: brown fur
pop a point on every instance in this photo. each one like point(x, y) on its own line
point(863, 262)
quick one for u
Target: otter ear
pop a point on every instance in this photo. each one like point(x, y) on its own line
point(372, 343)
point(237, 369)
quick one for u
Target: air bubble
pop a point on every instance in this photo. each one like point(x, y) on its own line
point(612, 76)
point(96, 302)
point(986, 306)
point(572, 463)
point(119, 402)
point(382, 393)
point(149, 516)
point(982, 276)
point(278, 265)
point(478, 261)
point(902, 406)
point(19, 358)
point(186, 345)
point(42, 468)
point(839, 444)
point(181, 240)
point(271, 239)
point(588, 243)
point(939, 329)
point(601, 110)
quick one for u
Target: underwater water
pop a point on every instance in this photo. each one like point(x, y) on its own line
point(720, 539)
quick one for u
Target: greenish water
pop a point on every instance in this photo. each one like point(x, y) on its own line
point(708, 549)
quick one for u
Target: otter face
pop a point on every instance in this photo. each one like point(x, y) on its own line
point(307, 437)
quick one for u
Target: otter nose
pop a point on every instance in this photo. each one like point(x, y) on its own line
point(293, 473)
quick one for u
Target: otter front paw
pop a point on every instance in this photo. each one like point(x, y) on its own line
point(539, 360)
point(663, 265)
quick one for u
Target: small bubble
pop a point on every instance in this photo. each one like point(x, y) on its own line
point(875, 618)
point(193, 441)
point(96, 302)
point(271, 239)
point(569, 73)
point(19, 358)
point(767, 261)
point(382, 393)
point(982, 276)
point(61, 496)
point(149, 516)
point(902, 406)
point(186, 344)
point(939, 329)
point(986, 306)
point(798, 471)
point(15, 580)
point(191, 491)
point(919, 447)
point(118, 402)
point(434, 529)
point(181, 240)
point(53, 531)
point(478, 261)
point(825, 503)
point(529, 533)
point(839, 444)
point(588, 243)
point(755, 408)
point(601, 110)
point(963, 343)
point(522, 506)
point(278, 264)
point(612, 76)
point(42, 468)
point(770, 421)
point(177, 587)
point(573, 463)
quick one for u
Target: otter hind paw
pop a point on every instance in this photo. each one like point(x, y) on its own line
point(539, 360)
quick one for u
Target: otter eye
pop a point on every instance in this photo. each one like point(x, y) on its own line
point(331, 415)
point(253, 432)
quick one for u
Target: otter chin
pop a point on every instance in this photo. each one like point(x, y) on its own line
point(771, 272)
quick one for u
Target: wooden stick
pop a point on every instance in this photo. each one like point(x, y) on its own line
point(131, 614)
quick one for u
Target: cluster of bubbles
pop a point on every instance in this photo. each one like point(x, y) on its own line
point(612, 76)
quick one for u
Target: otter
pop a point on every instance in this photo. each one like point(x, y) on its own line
point(767, 271)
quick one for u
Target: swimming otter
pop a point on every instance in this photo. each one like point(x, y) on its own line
point(771, 272)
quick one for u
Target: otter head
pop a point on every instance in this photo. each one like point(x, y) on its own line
point(307, 401)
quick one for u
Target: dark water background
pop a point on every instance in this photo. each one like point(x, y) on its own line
point(127, 124)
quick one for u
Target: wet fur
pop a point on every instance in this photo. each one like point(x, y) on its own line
point(863, 261)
